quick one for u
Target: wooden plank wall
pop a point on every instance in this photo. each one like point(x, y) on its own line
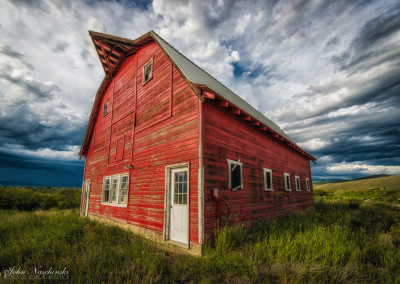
point(226, 136)
point(164, 128)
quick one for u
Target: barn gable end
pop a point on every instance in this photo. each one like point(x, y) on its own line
point(148, 126)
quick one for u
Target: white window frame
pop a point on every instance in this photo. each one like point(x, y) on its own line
point(116, 178)
point(297, 182)
point(308, 184)
point(116, 203)
point(120, 189)
point(151, 71)
point(103, 189)
point(287, 186)
point(230, 162)
point(265, 179)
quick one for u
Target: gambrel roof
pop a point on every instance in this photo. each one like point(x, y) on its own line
point(112, 51)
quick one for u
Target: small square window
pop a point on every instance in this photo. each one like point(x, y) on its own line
point(147, 72)
point(105, 108)
point(235, 175)
point(287, 182)
point(308, 184)
point(268, 179)
point(297, 179)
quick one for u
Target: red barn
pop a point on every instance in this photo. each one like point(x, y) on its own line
point(173, 153)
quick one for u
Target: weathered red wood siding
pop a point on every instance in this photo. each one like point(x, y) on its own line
point(164, 128)
point(226, 136)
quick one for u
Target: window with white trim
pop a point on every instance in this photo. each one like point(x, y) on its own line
point(123, 196)
point(235, 174)
point(115, 190)
point(297, 180)
point(308, 184)
point(147, 71)
point(267, 179)
point(287, 182)
point(106, 189)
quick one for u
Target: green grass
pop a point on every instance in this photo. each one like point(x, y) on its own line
point(339, 241)
point(39, 198)
point(383, 189)
point(380, 183)
point(351, 236)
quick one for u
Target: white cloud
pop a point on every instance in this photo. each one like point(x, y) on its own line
point(71, 153)
point(299, 65)
point(315, 144)
point(360, 167)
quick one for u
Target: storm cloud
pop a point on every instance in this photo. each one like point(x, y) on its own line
point(327, 72)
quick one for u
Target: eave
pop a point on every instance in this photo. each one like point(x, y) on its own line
point(223, 103)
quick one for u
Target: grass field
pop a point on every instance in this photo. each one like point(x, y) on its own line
point(383, 189)
point(342, 240)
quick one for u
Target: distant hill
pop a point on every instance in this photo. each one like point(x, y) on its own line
point(370, 177)
point(318, 182)
point(371, 182)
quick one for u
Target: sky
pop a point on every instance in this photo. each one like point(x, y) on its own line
point(327, 72)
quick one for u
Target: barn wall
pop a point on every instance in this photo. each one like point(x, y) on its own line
point(226, 136)
point(161, 119)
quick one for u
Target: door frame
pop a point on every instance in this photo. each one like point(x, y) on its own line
point(86, 197)
point(167, 202)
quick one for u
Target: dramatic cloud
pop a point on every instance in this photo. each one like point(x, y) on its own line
point(327, 72)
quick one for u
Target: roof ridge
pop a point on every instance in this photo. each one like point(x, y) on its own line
point(190, 60)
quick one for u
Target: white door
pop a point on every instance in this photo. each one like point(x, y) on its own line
point(86, 198)
point(179, 208)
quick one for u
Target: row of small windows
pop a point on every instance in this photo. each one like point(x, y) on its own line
point(147, 75)
point(116, 187)
point(236, 178)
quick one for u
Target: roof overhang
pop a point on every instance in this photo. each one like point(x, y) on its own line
point(220, 101)
point(112, 49)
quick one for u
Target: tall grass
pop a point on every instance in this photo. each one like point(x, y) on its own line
point(338, 241)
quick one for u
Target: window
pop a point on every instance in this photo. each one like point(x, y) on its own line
point(115, 190)
point(287, 182)
point(147, 72)
point(105, 108)
point(123, 197)
point(235, 175)
point(180, 187)
point(106, 189)
point(268, 179)
point(297, 180)
point(308, 184)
